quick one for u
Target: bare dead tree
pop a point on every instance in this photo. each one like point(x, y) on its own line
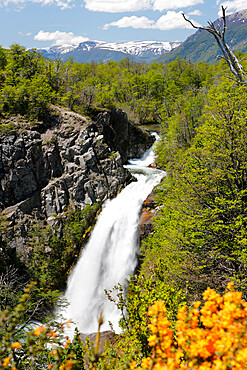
point(219, 34)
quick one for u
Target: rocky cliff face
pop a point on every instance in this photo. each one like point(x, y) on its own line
point(44, 169)
point(148, 212)
point(129, 140)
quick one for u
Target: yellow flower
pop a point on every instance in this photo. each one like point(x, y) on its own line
point(54, 352)
point(69, 364)
point(146, 363)
point(6, 361)
point(39, 330)
point(67, 343)
point(133, 365)
point(152, 340)
point(52, 334)
point(220, 341)
point(16, 345)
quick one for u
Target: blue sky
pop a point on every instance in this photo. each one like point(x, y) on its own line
point(43, 23)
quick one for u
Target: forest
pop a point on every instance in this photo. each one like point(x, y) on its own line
point(185, 307)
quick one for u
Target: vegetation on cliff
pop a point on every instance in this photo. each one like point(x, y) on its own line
point(29, 83)
point(200, 233)
point(48, 259)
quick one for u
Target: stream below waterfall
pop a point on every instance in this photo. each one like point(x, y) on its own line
point(110, 255)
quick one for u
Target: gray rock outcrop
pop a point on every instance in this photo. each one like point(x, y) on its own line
point(71, 160)
point(122, 136)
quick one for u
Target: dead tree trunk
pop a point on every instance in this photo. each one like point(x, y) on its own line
point(219, 34)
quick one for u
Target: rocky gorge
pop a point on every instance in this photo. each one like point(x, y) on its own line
point(69, 160)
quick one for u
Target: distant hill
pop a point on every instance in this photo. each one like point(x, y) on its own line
point(202, 46)
point(106, 51)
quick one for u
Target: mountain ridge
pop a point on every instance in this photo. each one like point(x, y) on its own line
point(105, 51)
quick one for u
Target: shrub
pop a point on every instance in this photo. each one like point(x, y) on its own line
point(212, 335)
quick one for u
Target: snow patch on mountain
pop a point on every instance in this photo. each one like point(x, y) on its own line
point(139, 48)
point(136, 48)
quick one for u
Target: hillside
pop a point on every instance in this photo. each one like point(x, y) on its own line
point(202, 46)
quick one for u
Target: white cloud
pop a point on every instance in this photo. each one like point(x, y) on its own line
point(134, 22)
point(59, 38)
point(232, 6)
point(173, 20)
point(195, 12)
point(117, 6)
point(177, 4)
point(63, 4)
point(169, 21)
point(25, 34)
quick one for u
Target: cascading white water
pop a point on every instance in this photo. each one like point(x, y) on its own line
point(111, 253)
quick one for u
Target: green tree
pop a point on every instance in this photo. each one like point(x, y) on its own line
point(200, 236)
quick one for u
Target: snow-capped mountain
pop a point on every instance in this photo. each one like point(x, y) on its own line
point(105, 51)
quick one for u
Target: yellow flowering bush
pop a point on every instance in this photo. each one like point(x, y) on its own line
point(209, 335)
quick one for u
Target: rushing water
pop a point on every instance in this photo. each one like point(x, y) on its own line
point(111, 253)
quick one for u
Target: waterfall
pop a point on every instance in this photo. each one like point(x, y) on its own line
point(111, 253)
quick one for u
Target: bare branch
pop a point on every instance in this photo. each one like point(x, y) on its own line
point(192, 24)
point(232, 61)
point(221, 57)
point(187, 20)
point(199, 27)
point(224, 22)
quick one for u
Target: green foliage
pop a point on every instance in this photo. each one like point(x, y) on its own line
point(3, 62)
point(200, 233)
point(26, 88)
point(27, 345)
point(21, 64)
point(29, 97)
point(53, 253)
point(79, 223)
point(141, 293)
point(215, 171)
point(13, 277)
point(9, 128)
point(3, 58)
point(30, 83)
